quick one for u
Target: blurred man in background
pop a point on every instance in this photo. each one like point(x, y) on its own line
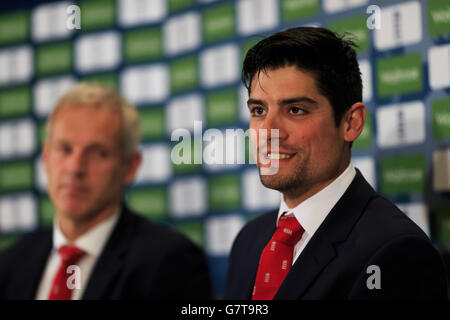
point(98, 248)
point(333, 236)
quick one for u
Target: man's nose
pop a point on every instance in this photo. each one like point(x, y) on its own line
point(77, 163)
point(273, 124)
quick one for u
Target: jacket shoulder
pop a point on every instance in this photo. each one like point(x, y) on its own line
point(384, 218)
point(25, 245)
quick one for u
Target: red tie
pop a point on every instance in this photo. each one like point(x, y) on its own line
point(276, 258)
point(60, 289)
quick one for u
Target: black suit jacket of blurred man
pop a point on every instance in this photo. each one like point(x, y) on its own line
point(362, 230)
point(141, 260)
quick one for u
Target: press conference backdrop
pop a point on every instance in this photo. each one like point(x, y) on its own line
point(179, 61)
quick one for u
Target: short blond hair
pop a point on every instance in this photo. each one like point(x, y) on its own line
point(95, 95)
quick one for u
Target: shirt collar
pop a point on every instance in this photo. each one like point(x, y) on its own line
point(93, 241)
point(313, 211)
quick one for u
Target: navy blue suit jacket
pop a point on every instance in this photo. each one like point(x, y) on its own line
point(141, 260)
point(362, 229)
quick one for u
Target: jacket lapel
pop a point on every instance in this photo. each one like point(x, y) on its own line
point(111, 260)
point(320, 249)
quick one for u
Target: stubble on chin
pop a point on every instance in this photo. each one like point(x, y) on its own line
point(291, 184)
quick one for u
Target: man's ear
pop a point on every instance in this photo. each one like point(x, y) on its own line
point(132, 166)
point(354, 120)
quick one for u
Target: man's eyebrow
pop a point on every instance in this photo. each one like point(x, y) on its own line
point(255, 101)
point(301, 99)
point(281, 102)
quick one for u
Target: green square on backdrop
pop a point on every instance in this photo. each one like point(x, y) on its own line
point(221, 107)
point(440, 118)
point(399, 75)
point(193, 230)
point(46, 211)
point(292, 10)
point(439, 17)
point(41, 131)
point(53, 58)
point(178, 149)
point(143, 44)
point(8, 240)
point(218, 23)
point(16, 176)
point(176, 5)
point(184, 73)
point(97, 14)
point(152, 122)
point(365, 138)
point(15, 101)
point(248, 44)
point(443, 222)
point(14, 27)
point(149, 202)
point(108, 79)
point(403, 174)
point(224, 192)
point(357, 27)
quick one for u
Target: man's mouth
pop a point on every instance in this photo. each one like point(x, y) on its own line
point(280, 156)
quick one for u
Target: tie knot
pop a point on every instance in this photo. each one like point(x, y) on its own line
point(288, 231)
point(70, 254)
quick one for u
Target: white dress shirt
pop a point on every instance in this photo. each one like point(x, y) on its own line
point(313, 211)
point(92, 243)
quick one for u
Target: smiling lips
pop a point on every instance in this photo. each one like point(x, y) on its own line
point(280, 156)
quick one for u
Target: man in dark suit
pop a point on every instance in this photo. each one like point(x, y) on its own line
point(99, 249)
point(333, 237)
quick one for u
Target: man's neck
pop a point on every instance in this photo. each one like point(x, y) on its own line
point(296, 196)
point(73, 228)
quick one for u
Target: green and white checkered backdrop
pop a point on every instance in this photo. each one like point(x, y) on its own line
point(180, 61)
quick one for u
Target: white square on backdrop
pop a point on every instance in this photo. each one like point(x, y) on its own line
point(155, 166)
point(182, 112)
point(418, 213)
point(25, 137)
point(47, 92)
point(49, 21)
point(255, 16)
point(40, 174)
point(97, 52)
point(26, 212)
point(367, 167)
point(439, 67)
point(400, 124)
point(401, 25)
point(221, 232)
point(17, 138)
point(441, 170)
point(145, 84)
point(220, 65)
point(366, 76)
point(256, 195)
point(188, 197)
point(136, 12)
point(16, 65)
point(182, 33)
point(332, 6)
